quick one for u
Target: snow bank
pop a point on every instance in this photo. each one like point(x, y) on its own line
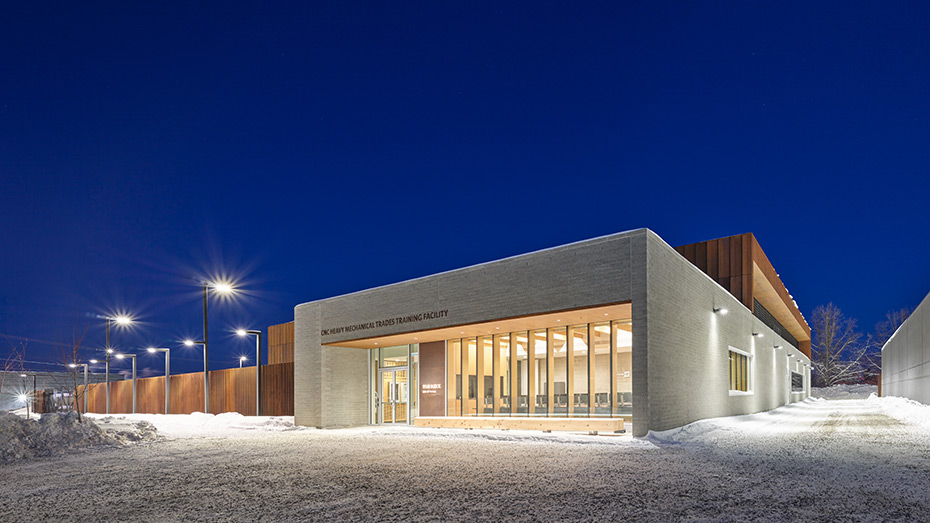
point(844, 392)
point(56, 433)
point(903, 409)
point(199, 424)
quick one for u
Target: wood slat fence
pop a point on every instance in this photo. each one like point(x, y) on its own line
point(231, 390)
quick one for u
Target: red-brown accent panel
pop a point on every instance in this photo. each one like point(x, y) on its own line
point(433, 379)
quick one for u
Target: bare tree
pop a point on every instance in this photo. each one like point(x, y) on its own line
point(69, 357)
point(836, 348)
point(885, 328)
point(883, 332)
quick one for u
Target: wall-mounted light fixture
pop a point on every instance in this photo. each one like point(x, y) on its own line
point(756, 334)
point(778, 347)
point(720, 310)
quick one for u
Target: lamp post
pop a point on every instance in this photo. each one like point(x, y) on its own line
point(133, 356)
point(206, 389)
point(24, 376)
point(120, 320)
point(258, 366)
point(221, 288)
point(74, 366)
point(241, 359)
point(167, 352)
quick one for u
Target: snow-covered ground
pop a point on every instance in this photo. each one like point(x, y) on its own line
point(844, 392)
point(198, 424)
point(816, 460)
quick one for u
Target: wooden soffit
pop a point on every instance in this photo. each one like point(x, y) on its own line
point(768, 288)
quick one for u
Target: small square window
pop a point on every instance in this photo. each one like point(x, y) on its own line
point(740, 371)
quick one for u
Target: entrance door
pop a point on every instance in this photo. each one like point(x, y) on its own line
point(393, 396)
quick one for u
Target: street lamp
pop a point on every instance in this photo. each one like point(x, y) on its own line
point(220, 287)
point(76, 365)
point(24, 397)
point(241, 359)
point(206, 390)
point(167, 352)
point(121, 320)
point(133, 356)
point(258, 366)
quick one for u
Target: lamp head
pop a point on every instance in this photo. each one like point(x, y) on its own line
point(22, 375)
point(151, 349)
point(241, 332)
point(109, 351)
point(242, 358)
point(223, 287)
point(92, 361)
point(189, 343)
point(123, 320)
point(120, 356)
point(720, 310)
point(72, 365)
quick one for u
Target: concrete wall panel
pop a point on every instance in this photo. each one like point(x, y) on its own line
point(906, 357)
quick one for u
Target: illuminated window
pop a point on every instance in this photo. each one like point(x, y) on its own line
point(582, 370)
point(797, 382)
point(740, 371)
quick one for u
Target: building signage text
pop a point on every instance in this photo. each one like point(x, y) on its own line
point(387, 322)
point(431, 388)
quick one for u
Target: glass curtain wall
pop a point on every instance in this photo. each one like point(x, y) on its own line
point(581, 370)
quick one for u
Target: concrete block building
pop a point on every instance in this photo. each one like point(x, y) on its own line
point(621, 332)
point(906, 357)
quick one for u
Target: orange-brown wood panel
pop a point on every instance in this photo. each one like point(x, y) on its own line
point(747, 246)
point(689, 252)
point(278, 389)
point(747, 290)
point(723, 258)
point(231, 390)
point(121, 396)
point(700, 256)
point(187, 393)
point(281, 343)
point(712, 270)
point(151, 395)
point(736, 259)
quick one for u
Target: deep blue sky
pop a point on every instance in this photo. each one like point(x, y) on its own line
point(314, 149)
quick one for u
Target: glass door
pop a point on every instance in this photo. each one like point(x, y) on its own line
point(393, 394)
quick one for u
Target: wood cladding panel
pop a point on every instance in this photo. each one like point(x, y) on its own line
point(728, 261)
point(712, 257)
point(278, 389)
point(723, 258)
point(281, 343)
point(231, 390)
